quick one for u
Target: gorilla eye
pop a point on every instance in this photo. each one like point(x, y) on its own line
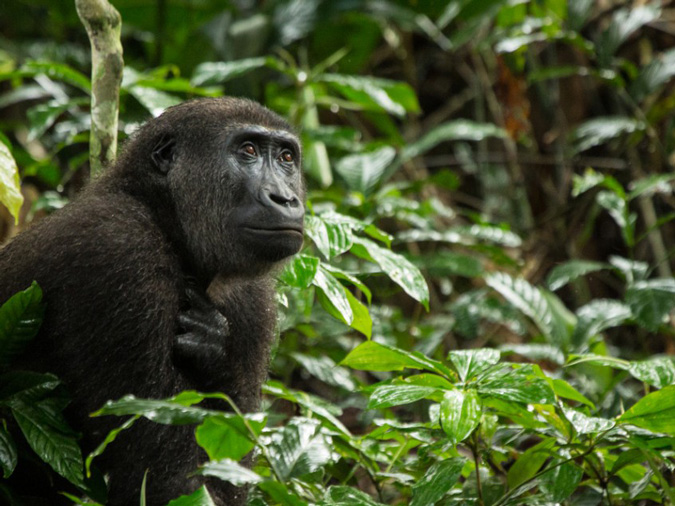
point(286, 156)
point(249, 149)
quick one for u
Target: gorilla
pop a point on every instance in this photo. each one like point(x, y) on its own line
point(159, 278)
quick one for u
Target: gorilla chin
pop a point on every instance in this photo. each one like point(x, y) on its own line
point(273, 244)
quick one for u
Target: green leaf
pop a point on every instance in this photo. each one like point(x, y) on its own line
point(166, 411)
point(519, 383)
point(654, 412)
point(340, 274)
point(536, 352)
point(280, 494)
point(470, 363)
point(531, 301)
point(617, 207)
point(58, 71)
point(231, 471)
point(210, 73)
point(299, 448)
point(372, 356)
point(300, 271)
point(228, 436)
point(600, 130)
point(529, 462)
point(564, 389)
point(386, 396)
point(658, 372)
point(364, 171)
point(650, 185)
point(656, 73)
point(42, 116)
point(460, 414)
point(199, 497)
point(8, 454)
point(397, 267)
point(585, 424)
point(560, 482)
point(569, 271)
point(110, 437)
point(333, 296)
point(456, 130)
point(625, 21)
point(324, 368)
point(49, 436)
point(340, 495)
point(331, 237)
point(20, 320)
point(10, 185)
point(596, 316)
point(154, 101)
point(438, 479)
point(651, 301)
point(371, 93)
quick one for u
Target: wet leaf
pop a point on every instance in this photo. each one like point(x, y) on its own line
point(20, 320)
point(654, 412)
point(438, 479)
point(10, 185)
point(386, 396)
point(651, 301)
point(460, 414)
point(569, 271)
point(231, 471)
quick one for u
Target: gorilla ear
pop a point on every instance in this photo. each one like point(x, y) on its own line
point(162, 155)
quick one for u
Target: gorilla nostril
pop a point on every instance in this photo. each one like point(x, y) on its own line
point(283, 200)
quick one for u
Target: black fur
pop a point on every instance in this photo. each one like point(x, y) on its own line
point(179, 214)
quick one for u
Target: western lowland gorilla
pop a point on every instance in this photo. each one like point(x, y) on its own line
point(159, 277)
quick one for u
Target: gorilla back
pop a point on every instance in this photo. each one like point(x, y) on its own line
point(159, 278)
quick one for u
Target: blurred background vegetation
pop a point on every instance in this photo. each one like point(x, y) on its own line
point(519, 154)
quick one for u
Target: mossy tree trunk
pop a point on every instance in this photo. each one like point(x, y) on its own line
point(103, 24)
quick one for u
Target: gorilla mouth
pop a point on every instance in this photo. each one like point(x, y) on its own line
point(275, 230)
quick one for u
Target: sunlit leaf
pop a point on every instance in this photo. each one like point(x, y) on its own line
point(600, 130)
point(333, 296)
point(363, 171)
point(199, 497)
point(324, 368)
point(625, 21)
point(655, 183)
point(585, 424)
point(596, 316)
point(655, 412)
point(209, 73)
point(656, 73)
point(658, 372)
point(372, 356)
point(10, 185)
point(300, 271)
point(460, 414)
point(461, 129)
point(160, 411)
point(58, 71)
point(470, 363)
point(229, 470)
point(564, 389)
point(332, 238)
point(229, 437)
point(438, 479)
point(562, 274)
point(518, 384)
point(386, 396)
point(651, 301)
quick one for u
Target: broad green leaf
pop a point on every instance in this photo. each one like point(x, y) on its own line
point(386, 396)
point(229, 437)
point(569, 271)
point(48, 434)
point(299, 448)
point(324, 368)
point(560, 482)
point(229, 470)
point(460, 414)
point(438, 479)
point(27, 385)
point(617, 208)
point(340, 495)
point(210, 73)
point(161, 411)
point(632, 270)
point(333, 296)
point(364, 171)
point(332, 238)
point(300, 271)
point(529, 462)
point(600, 130)
point(375, 94)
point(10, 185)
point(340, 274)
point(531, 301)
point(585, 424)
point(316, 405)
point(656, 73)
point(656, 183)
point(154, 101)
point(518, 383)
point(654, 412)
point(280, 494)
point(651, 301)
point(362, 320)
point(8, 454)
point(397, 267)
point(536, 352)
point(456, 130)
point(199, 497)
point(564, 389)
point(470, 363)
point(58, 71)
point(625, 21)
point(658, 372)
point(20, 320)
point(596, 316)
point(372, 356)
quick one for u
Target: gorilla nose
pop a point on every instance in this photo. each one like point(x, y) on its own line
point(283, 202)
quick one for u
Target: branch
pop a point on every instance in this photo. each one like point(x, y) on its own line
point(103, 24)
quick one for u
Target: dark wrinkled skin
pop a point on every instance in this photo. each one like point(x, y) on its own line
point(159, 278)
